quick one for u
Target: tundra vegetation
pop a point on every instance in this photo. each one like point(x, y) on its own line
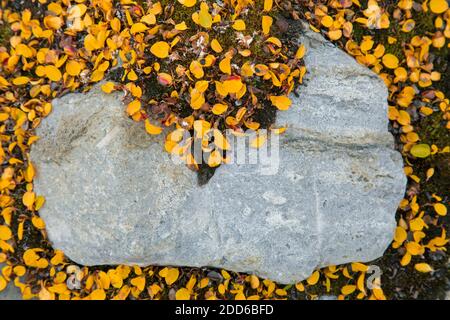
point(208, 66)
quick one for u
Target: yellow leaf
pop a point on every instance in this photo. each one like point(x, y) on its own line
point(32, 259)
point(116, 279)
point(215, 45)
point(19, 81)
point(239, 296)
point(133, 107)
point(172, 276)
point(406, 259)
point(300, 287)
point(247, 69)
point(73, 68)
point(268, 5)
point(196, 69)
point(423, 267)
point(215, 159)
point(225, 65)
point(28, 199)
point(20, 230)
point(191, 283)
point(108, 87)
point(254, 281)
point(115, 24)
point(281, 292)
point(360, 282)
point(152, 129)
point(138, 282)
point(233, 85)
point(98, 294)
point(5, 233)
point(138, 27)
point(44, 294)
point(400, 235)
point(314, 278)
point(239, 25)
point(335, 34)
point(414, 248)
point(39, 202)
point(275, 41)
point(220, 89)
point(3, 283)
point(53, 22)
point(327, 21)
point(300, 52)
point(38, 222)
point(266, 24)
point(390, 61)
point(132, 76)
point(24, 50)
point(201, 127)
point(438, 6)
point(348, 289)
point(430, 173)
point(219, 108)
point(53, 73)
point(154, 289)
point(182, 294)
point(91, 43)
point(201, 86)
point(203, 283)
point(97, 75)
point(259, 141)
point(181, 26)
point(220, 141)
point(359, 267)
point(197, 99)
point(420, 150)
point(440, 209)
point(29, 172)
point(165, 79)
point(204, 17)
point(281, 102)
point(160, 49)
point(403, 118)
point(378, 293)
point(3, 82)
point(20, 270)
point(58, 258)
point(188, 3)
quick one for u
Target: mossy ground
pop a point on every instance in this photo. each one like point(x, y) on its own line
point(404, 282)
point(5, 34)
point(398, 282)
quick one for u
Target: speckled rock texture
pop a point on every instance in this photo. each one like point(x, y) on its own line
point(115, 197)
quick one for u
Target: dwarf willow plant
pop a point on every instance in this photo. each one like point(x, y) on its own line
point(212, 66)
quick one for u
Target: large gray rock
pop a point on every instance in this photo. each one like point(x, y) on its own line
point(115, 197)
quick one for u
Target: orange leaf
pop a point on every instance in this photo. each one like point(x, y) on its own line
point(281, 102)
point(160, 49)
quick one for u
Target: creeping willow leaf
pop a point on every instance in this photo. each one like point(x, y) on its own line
point(281, 102)
point(421, 150)
point(160, 49)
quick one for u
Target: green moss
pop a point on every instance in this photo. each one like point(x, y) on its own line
point(432, 130)
point(424, 26)
point(5, 35)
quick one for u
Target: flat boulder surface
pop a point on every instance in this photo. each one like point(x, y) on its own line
point(114, 196)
